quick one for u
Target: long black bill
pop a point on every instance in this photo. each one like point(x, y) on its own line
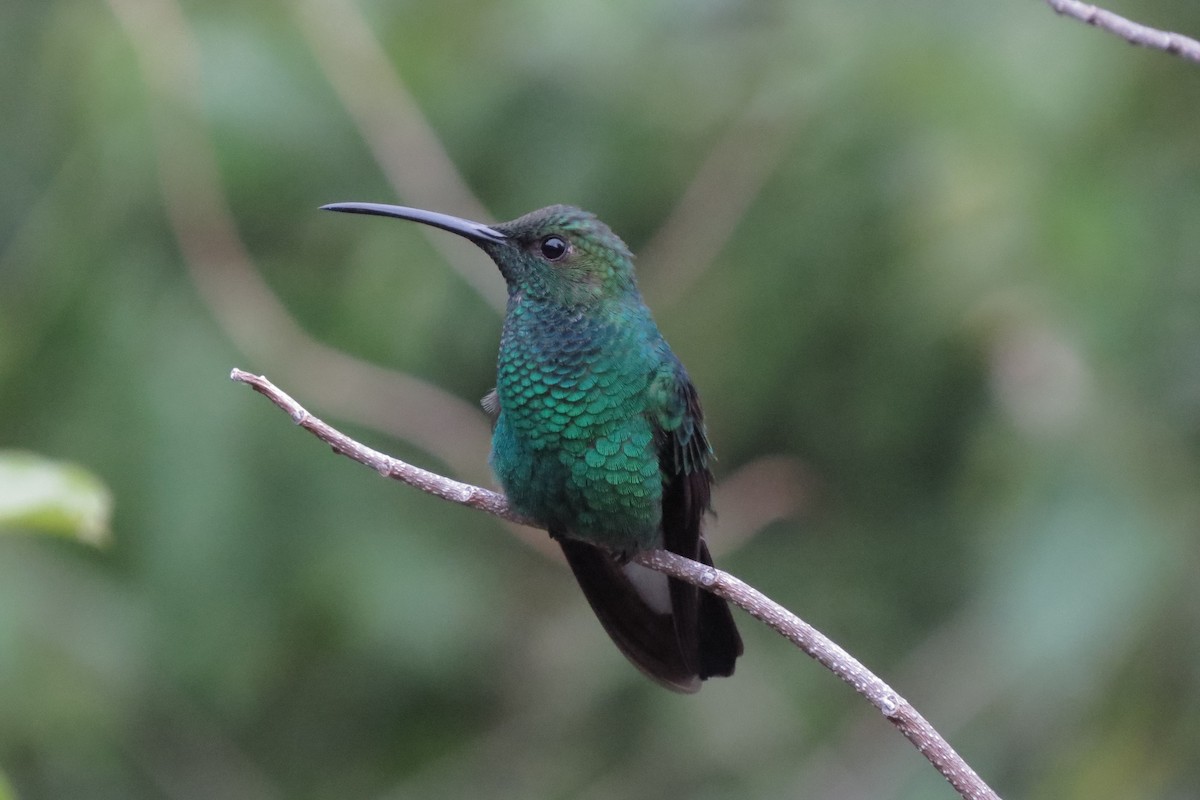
point(475, 231)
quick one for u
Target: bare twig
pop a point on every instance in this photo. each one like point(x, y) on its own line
point(437, 485)
point(1130, 31)
point(895, 708)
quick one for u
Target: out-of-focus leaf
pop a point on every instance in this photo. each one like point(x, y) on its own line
point(6, 790)
point(48, 496)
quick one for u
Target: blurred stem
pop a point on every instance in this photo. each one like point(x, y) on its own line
point(223, 270)
point(248, 311)
point(727, 182)
point(895, 708)
point(1130, 31)
point(766, 490)
point(408, 151)
point(404, 144)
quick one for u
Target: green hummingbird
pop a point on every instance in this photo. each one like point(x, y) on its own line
point(599, 433)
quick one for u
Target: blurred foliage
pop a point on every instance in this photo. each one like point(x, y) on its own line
point(45, 496)
point(963, 288)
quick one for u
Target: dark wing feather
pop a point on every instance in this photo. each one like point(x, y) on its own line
point(703, 623)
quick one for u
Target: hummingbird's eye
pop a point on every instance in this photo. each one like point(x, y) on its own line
point(553, 248)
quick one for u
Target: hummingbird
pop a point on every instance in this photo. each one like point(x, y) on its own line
point(598, 433)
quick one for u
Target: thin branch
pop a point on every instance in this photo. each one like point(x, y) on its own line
point(430, 482)
point(1130, 31)
point(895, 708)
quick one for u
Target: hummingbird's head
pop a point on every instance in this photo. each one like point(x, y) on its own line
point(559, 253)
point(564, 254)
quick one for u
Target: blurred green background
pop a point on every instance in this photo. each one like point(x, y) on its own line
point(934, 267)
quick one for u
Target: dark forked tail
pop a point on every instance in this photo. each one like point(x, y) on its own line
point(673, 632)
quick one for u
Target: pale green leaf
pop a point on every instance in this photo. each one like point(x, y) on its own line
point(38, 494)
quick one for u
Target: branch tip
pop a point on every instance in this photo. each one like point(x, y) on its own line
point(1132, 32)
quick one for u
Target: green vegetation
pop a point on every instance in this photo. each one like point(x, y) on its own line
point(41, 495)
point(940, 263)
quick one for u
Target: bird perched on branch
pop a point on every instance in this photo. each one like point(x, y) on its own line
point(599, 433)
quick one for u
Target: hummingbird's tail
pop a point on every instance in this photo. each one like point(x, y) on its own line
point(673, 632)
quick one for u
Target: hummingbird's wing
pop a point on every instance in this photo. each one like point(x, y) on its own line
point(628, 601)
point(670, 630)
point(703, 623)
